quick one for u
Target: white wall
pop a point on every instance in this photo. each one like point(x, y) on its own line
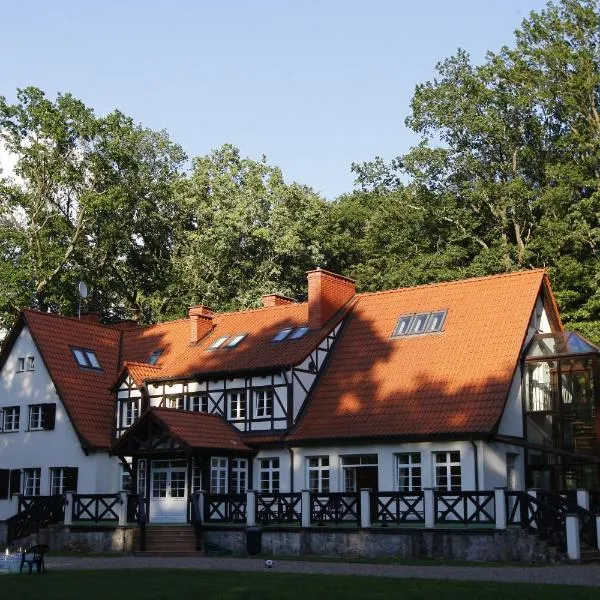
point(59, 447)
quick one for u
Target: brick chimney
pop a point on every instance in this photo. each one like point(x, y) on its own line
point(200, 317)
point(327, 293)
point(276, 300)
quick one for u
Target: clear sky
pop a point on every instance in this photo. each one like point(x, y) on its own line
point(313, 85)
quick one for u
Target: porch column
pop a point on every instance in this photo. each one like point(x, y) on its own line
point(573, 543)
point(200, 498)
point(583, 499)
point(500, 507)
point(122, 509)
point(250, 508)
point(365, 508)
point(68, 508)
point(15, 501)
point(305, 504)
point(429, 507)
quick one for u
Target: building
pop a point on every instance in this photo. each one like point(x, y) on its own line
point(465, 385)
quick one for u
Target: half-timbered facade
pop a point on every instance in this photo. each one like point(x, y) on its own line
point(465, 385)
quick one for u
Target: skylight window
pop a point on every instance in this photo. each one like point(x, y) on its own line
point(154, 357)
point(299, 333)
point(235, 340)
point(420, 323)
point(219, 341)
point(282, 334)
point(86, 359)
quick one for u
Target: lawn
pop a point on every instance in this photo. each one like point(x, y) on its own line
point(268, 585)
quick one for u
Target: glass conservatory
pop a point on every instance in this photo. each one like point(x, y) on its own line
point(561, 397)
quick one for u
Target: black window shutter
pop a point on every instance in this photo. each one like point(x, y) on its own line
point(15, 481)
point(71, 479)
point(49, 416)
point(4, 483)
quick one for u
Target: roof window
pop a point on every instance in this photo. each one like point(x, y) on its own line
point(153, 359)
point(86, 358)
point(219, 342)
point(282, 334)
point(299, 333)
point(235, 340)
point(420, 323)
point(289, 333)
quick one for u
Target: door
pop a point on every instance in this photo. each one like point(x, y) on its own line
point(168, 491)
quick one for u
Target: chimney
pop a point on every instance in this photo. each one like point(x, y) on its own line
point(276, 300)
point(200, 317)
point(92, 317)
point(327, 293)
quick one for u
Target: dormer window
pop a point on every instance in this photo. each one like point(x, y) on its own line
point(420, 323)
point(86, 359)
point(235, 340)
point(219, 342)
point(153, 359)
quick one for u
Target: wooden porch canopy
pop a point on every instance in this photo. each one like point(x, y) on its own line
point(165, 430)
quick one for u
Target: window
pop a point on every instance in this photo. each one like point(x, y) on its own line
point(218, 342)
point(130, 412)
point(239, 475)
point(153, 359)
point(63, 479)
point(31, 482)
point(175, 402)
point(430, 322)
point(125, 481)
point(282, 334)
point(42, 417)
point(235, 340)
point(360, 471)
point(10, 418)
point(447, 471)
point(318, 474)
point(299, 333)
point(263, 404)
point(511, 471)
point(25, 363)
point(237, 405)
point(409, 472)
point(141, 477)
point(196, 477)
point(268, 475)
point(86, 359)
point(218, 475)
point(199, 403)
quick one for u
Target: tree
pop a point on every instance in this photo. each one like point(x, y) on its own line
point(90, 198)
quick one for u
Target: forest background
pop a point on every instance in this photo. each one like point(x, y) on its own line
point(506, 177)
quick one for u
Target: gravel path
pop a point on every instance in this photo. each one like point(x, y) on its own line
point(587, 575)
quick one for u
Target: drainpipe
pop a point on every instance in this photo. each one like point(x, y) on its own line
point(476, 461)
point(291, 451)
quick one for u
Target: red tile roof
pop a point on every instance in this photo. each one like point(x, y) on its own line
point(452, 382)
point(194, 429)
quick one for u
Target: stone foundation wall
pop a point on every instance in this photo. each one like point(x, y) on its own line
point(82, 539)
point(512, 545)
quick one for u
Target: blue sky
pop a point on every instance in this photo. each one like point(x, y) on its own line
point(313, 85)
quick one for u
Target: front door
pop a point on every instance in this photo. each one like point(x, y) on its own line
point(168, 491)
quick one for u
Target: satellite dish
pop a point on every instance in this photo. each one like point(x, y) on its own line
point(83, 291)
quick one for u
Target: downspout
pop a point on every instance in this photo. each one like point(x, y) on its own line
point(476, 461)
point(291, 451)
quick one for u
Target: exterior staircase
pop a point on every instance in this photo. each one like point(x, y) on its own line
point(589, 554)
point(169, 540)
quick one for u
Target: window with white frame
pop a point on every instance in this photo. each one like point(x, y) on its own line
point(175, 402)
point(447, 471)
point(408, 471)
point(199, 403)
point(25, 363)
point(31, 482)
point(218, 475)
point(263, 404)
point(141, 477)
point(239, 476)
point(237, 405)
point(131, 411)
point(63, 479)
point(196, 477)
point(268, 475)
point(125, 481)
point(36, 417)
point(318, 474)
point(10, 417)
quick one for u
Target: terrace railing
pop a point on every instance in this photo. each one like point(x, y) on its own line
point(96, 508)
point(399, 508)
point(225, 508)
point(464, 507)
point(278, 508)
point(334, 508)
point(34, 513)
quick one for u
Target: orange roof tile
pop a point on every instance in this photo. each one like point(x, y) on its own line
point(452, 382)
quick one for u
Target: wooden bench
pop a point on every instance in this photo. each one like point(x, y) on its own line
point(34, 556)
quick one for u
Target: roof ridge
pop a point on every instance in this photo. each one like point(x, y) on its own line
point(453, 282)
point(252, 310)
point(73, 319)
point(189, 412)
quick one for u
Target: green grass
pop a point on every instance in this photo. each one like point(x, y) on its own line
point(268, 585)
